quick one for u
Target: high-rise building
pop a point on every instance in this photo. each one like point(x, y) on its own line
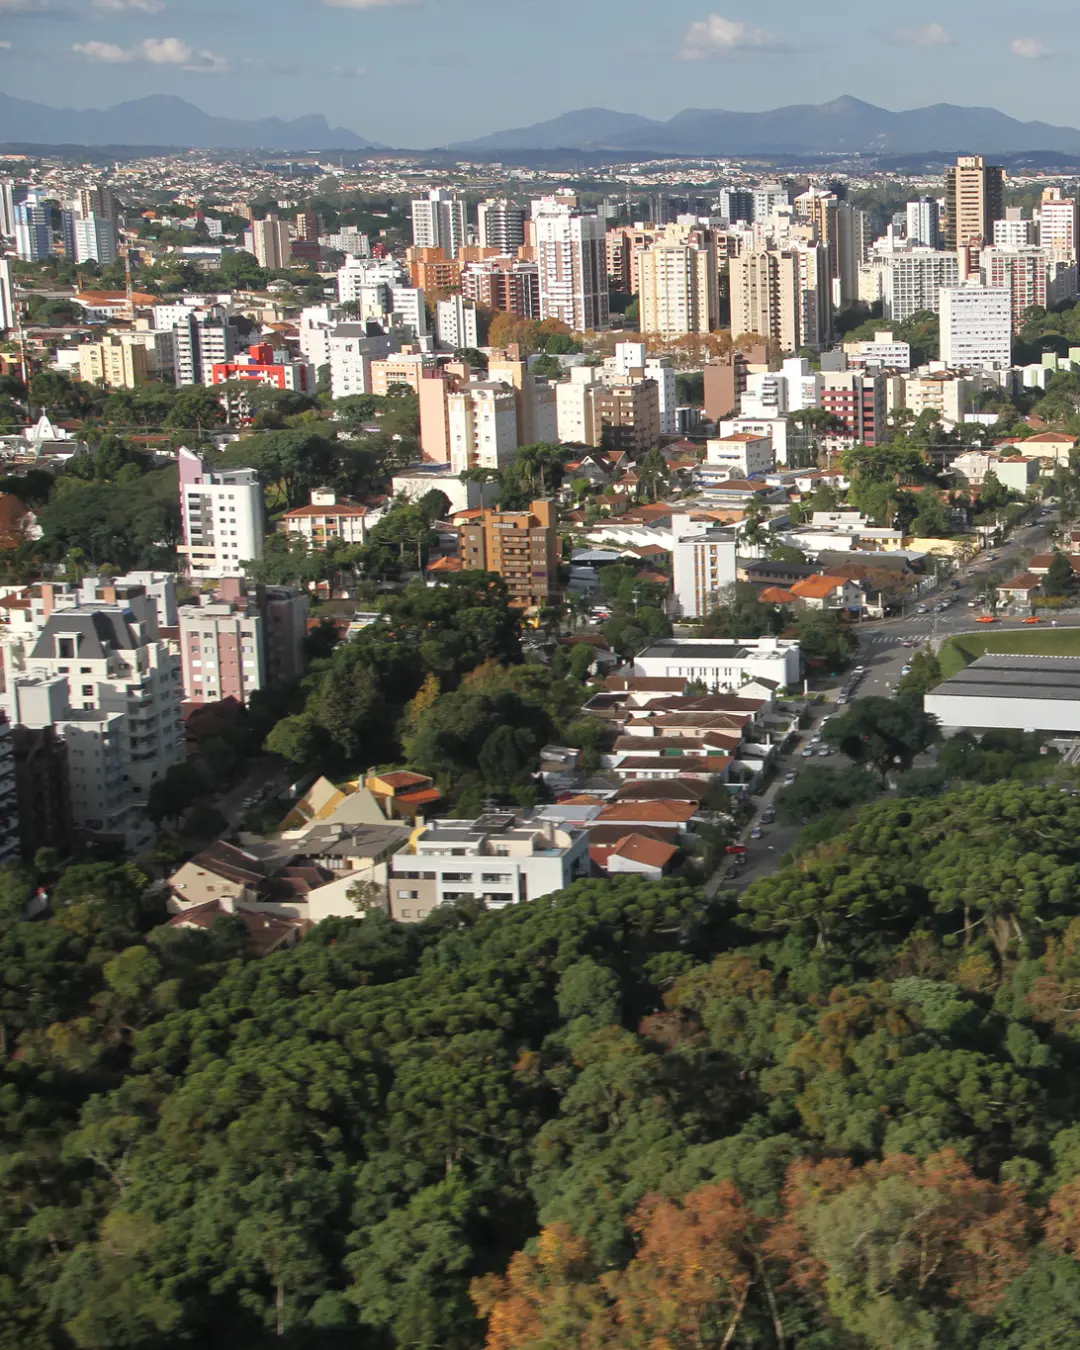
point(501, 224)
point(1014, 231)
point(222, 517)
point(95, 240)
point(631, 362)
point(625, 414)
point(783, 295)
point(736, 204)
point(113, 693)
point(537, 418)
point(703, 566)
point(99, 200)
point(222, 649)
point(1034, 276)
point(481, 425)
point(842, 231)
point(43, 790)
point(9, 796)
point(66, 245)
point(438, 221)
point(858, 399)
point(976, 326)
point(924, 222)
point(307, 227)
point(33, 231)
point(770, 198)
point(914, 280)
point(11, 193)
point(8, 315)
point(114, 363)
point(202, 340)
point(1059, 223)
point(455, 323)
point(503, 284)
point(271, 243)
point(352, 350)
point(974, 199)
point(521, 546)
point(677, 287)
point(572, 263)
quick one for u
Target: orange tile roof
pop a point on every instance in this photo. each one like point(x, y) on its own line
point(817, 588)
point(648, 852)
point(402, 778)
point(657, 813)
point(338, 509)
point(776, 595)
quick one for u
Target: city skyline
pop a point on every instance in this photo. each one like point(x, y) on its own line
point(386, 68)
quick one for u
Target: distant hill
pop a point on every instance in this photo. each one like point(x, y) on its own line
point(845, 125)
point(164, 120)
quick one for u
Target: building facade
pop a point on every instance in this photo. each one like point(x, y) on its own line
point(976, 327)
point(222, 517)
point(572, 265)
point(521, 546)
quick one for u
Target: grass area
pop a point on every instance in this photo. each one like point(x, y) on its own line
point(959, 652)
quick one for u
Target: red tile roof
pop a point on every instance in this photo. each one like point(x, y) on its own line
point(648, 852)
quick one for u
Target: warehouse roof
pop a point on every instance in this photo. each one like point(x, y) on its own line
point(1049, 677)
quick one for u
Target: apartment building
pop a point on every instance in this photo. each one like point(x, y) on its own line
point(1059, 224)
point(506, 284)
point(976, 326)
point(572, 264)
point(481, 424)
point(743, 452)
point(677, 290)
point(10, 839)
point(261, 364)
point(455, 323)
point(1014, 231)
point(501, 858)
point(401, 368)
point(535, 401)
point(8, 313)
point(924, 222)
point(352, 351)
point(859, 400)
point(438, 221)
point(327, 519)
point(630, 361)
point(500, 224)
point(202, 339)
point(114, 363)
point(1034, 276)
point(974, 199)
point(33, 230)
point(95, 240)
point(625, 414)
point(113, 695)
point(271, 243)
point(222, 651)
point(42, 790)
point(914, 281)
point(703, 567)
point(222, 517)
point(521, 546)
point(783, 295)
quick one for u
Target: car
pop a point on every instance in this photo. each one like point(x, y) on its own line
point(755, 833)
point(842, 700)
point(987, 618)
point(906, 669)
point(907, 642)
point(825, 751)
point(973, 604)
point(1034, 619)
point(735, 848)
point(815, 739)
point(922, 609)
point(860, 670)
point(767, 817)
point(789, 779)
point(807, 753)
point(955, 585)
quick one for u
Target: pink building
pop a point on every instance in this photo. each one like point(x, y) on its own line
point(248, 638)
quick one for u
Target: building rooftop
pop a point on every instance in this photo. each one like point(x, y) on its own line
point(706, 650)
point(1044, 677)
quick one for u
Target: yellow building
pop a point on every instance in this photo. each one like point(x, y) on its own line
point(113, 362)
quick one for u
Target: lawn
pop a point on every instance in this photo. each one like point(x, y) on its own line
point(959, 652)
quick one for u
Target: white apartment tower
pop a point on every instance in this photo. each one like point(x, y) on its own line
point(222, 517)
point(924, 222)
point(677, 288)
point(703, 566)
point(1059, 224)
point(438, 221)
point(501, 224)
point(202, 339)
point(8, 316)
point(571, 253)
point(95, 240)
point(914, 281)
point(976, 327)
point(482, 426)
point(455, 323)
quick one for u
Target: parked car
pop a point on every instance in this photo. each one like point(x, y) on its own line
point(922, 609)
point(825, 751)
point(987, 618)
point(1034, 619)
point(755, 833)
point(906, 669)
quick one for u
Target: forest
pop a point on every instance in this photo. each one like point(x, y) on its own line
point(837, 1112)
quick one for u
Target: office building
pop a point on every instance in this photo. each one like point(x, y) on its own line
point(500, 224)
point(202, 339)
point(677, 287)
point(112, 692)
point(1059, 224)
point(95, 240)
point(352, 350)
point(271, 243)
point(33, 230)
point(1034, 276)
point(914, 280)
point(9, 318)
point(438, 221)
point(572, 263)
point(222, 517)
point(499, 859)
point(521, 546)
point(924, 222)
point(503, 284)
point(703, 567)
point(455, 323)
point(974, 199)
point(114, 362)
point(481, 420)
point(976, 327)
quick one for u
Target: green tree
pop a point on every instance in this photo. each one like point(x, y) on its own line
point(1059, 575)
point(885, 734)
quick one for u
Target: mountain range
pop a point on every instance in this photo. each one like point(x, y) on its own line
point(845, 125)
point(162, 120)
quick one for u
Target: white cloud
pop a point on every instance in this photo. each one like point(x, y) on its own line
point(10, 8)
point(365, 4)
point(168, 51)
point(1029, 49)
point(126, 6)
point(717, 37)
point(5, 46)
point(929, 35)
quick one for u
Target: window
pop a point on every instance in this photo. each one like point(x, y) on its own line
point(88, 691)
point(408, 895)
point(65, 648)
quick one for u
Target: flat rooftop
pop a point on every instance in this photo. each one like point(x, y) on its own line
point(689, 648)
point(1000, 676)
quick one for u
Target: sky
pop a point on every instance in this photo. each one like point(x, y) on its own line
point(424, 73)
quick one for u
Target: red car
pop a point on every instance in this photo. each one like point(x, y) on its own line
point(987, 618)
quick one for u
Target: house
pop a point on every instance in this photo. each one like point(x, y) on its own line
point(267, 932)
point(637, 854)
point(1054, 445)
point(1039, 564)
point(776, 595)
point(327, 519)
point(828, 592)
point(1020, 589)
point(403, 795)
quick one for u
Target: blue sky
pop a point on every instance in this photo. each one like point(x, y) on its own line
point(426, 72)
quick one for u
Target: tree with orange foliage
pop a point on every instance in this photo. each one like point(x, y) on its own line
point(1063, 1219)
point(883, 1245)
point(547, 1298)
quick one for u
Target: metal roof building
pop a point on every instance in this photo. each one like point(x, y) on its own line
point(1025, 693)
